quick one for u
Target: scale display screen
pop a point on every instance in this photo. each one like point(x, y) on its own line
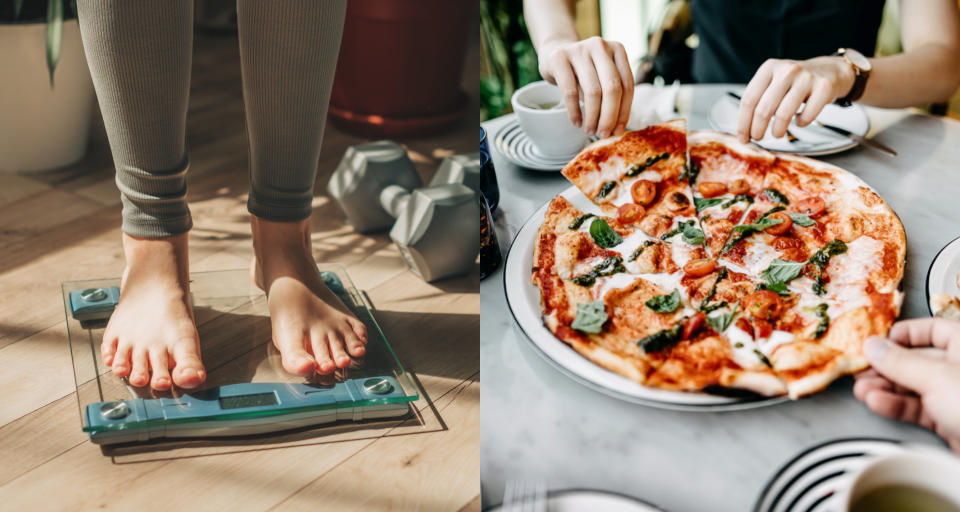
point(242, 401)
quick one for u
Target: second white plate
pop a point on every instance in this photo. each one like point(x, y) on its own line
point(813, 140)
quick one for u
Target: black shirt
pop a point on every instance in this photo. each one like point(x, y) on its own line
point(736, 36)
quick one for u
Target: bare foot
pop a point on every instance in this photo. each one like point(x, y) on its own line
point(152, 329)
point(313, 330)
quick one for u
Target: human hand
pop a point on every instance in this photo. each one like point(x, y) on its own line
point(596, 71)
point(916, 384)
point(779, 88)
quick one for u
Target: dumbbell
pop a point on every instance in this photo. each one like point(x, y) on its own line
point(436, 228)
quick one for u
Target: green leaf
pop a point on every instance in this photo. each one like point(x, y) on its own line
point(721, 321)
point(665, 303)
point(702, 203)
point(759, 225)
point(775, 196)
point(824, 324)
point(590, 317)
point(605, 189)
point(609, 266)
point(693, 236)
point(661, 340)
point(782, 271)
point(54, 35)
point(746, 198)
point(638, 168)
point(17, 6)
point(580, 220)
point(603, 235)
point(778, 288)
point(801, 219)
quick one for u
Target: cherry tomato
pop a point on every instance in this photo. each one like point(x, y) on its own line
point(783, 227)
point(643, 192)
point(744, 325)
point(712, 189)
point(762, 328)
point(739, 186)
point(699, 268)
point(812, 206)
point(693, 324)
point(630, 213)
point(763, 304)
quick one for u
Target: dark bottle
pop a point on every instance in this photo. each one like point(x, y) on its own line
point(489, 249)
point(488, 177)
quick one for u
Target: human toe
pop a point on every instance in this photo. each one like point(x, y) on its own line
point(321, 352)
point(188, 371)
point(160, 369)
point(335, 342)
point(140, 372)
point(121, 360)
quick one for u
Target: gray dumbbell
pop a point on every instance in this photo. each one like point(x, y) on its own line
point(364, 171)
point(437, 228)
point(463, 169)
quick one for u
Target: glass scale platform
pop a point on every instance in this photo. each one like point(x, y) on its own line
point(247, 390)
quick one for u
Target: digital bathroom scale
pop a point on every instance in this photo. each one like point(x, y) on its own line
point(247, 390)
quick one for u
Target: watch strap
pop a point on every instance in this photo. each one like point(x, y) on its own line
point(859, 82)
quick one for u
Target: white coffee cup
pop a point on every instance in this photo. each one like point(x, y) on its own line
point(550, 129)
point(924, 468)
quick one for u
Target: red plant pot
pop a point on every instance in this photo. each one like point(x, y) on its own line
point(399, 68)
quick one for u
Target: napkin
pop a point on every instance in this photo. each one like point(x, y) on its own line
point(652, 105)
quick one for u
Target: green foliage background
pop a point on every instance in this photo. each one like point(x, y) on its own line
point(509, 60)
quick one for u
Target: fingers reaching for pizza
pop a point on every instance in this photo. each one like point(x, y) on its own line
point(595, 71)
point(780, 87)
point(916, 375)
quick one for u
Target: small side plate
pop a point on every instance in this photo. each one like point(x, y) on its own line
point(943, 272)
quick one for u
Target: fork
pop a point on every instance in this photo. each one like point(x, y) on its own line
point(521, 496)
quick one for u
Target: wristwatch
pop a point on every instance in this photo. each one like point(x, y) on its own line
point(861, 71)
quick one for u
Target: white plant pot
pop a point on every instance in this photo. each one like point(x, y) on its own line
point(42, 128)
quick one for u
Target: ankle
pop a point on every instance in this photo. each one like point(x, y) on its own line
point(282, 239)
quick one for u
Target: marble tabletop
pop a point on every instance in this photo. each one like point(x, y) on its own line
point(539, 425)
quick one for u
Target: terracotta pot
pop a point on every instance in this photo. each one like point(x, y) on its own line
point(400, 66)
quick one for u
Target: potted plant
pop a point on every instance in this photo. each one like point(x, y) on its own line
point(46, 95)
point(400, 66)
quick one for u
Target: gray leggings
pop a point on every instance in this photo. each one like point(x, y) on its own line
point(139, 52)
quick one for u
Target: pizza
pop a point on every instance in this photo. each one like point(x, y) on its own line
point(711, 264)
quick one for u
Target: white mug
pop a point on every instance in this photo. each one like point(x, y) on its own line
point(927, 469)
point(550, 130)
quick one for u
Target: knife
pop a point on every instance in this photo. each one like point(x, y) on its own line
point(841, 131)
point(859, 138)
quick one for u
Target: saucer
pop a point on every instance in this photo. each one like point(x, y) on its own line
point(516, 147)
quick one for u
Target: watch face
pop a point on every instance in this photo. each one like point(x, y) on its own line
point(858, 59)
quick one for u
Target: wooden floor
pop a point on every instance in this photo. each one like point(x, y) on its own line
point(65, 225)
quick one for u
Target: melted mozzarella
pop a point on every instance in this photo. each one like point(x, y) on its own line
point(614, 282)
point(758, 254)
point(628, 246)
point(666, 282)
point(776, 338)
point(743, 347)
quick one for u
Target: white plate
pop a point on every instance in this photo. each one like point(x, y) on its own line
point(579, 500)
point(811, 481)
point(524, 302)
point(942, 275)
point(515, 146)
point(813, 140)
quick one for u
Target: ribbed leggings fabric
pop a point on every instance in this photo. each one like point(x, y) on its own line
point(139, 53)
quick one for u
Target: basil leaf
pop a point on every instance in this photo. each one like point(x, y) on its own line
point(775, 196)
point(685, 227)
point(824, 324)
point(636, 254)
point(746, 198)
point(694, 172)
point(782, 271)
point(603, 235)
point(609, 266)
point(778, 288)
point(590, 317)
point(662, 340)
point(665, 303)
point(713, 290)
point(605, 189)
point(759, 225)
point(638, 168)
point(692, 235)
point(763, 357)
point(821, 259)
point(580, 220)
point(702, 203)
point(722, 321)
point(801, 219)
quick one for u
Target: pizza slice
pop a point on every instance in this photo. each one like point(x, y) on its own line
point(638, 176)
point(727, 176)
